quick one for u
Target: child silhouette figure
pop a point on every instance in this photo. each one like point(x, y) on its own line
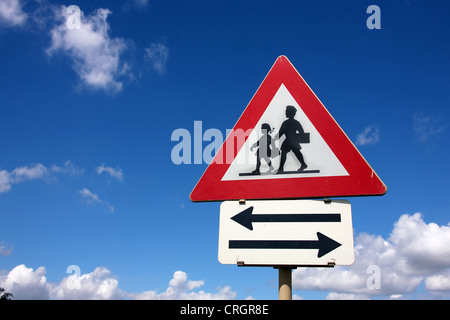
point(264, 145)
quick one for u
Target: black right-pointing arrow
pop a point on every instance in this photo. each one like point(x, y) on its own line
point(324, 244)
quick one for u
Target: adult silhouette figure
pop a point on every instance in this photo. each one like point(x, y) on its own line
point(294, 133)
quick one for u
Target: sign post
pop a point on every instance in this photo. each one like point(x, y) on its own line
point(284, 283)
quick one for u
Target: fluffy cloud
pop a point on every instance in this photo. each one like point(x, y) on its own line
point(439, 284)
point(95, 55)
point(97, 285)
point(115, 173)
point(427, 126)
point(180, 288)
point(99, 59)
point(39, 171)
point(25, 283)
point(21, 174)
point(156, 56)
point(424, 246)
point(415, 253)
point(34, 172)
point(5, 248)
point(68, 168)
point(5, 184)
point(11, 13)
point(370, 135)
point(91, 198)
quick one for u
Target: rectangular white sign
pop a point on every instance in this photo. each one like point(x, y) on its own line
point(286, 232)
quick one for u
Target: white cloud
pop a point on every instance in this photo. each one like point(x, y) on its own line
point(11, 13)
point(95, 55)
point(39, 171)
point(439, 284)
point(427, 126)
point(140, 3)
point(98, 58)
point(68, 168)
point(91, 198)
point(5, 183)
point(345, 296)
point(35, 172)
point(425, 246)
point(21, 174)
point(25, 283)
point(370, 135)
point(180, 288)
point(110, 207)
point(157, 55)
point(5, 248)
point(97, 285)
point(115, 173)
point(416, 252)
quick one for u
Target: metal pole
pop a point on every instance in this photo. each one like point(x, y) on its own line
point(284, 283)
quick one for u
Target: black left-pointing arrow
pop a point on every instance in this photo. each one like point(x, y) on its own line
point(246, 218)
point(323, 243)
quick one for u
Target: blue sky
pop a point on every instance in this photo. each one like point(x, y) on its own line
point(86, 117)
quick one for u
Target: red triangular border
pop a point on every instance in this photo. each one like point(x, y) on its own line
point(361, 181)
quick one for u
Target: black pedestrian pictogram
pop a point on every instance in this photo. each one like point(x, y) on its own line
point(294, 133)
point(265, 146)
point(294, 136)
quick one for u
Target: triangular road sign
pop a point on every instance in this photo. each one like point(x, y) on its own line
point(286, 145)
